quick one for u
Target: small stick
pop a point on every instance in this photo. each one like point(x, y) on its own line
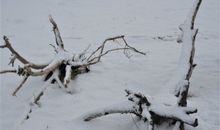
point(21, 84)
point(8, 71)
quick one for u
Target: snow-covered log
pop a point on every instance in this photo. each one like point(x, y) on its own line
point(146, 110)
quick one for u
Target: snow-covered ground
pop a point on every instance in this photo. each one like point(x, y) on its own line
point(84, 22)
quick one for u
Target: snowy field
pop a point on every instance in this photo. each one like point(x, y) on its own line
point(84, 22)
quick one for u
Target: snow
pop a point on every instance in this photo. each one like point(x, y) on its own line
point(84, 22)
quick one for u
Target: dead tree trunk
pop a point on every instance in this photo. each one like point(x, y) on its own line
point(187, 39)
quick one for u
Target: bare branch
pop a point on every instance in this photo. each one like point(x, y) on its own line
point(19, 57)
point(8, 71)
point(101, 47)
point(58, 38)
point(8, 45)
point(194, 12)
point(97, 59)
point(132, 48)
point(21, 84)
point(82, 54)
point(55, 49)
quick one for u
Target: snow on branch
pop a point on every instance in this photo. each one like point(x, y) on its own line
point(122, 108)
point(186, 60)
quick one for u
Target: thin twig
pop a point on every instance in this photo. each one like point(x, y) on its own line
point(101, 48)
point(134, 49)
point(116, 49)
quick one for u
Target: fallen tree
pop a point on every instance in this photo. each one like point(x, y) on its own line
point(153, 113)
point(64, 66)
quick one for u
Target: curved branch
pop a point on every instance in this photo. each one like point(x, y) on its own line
point(19, 57)
point(123, 108)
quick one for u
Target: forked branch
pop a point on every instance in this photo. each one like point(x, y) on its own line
point(95, 59)
point(16, 55)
